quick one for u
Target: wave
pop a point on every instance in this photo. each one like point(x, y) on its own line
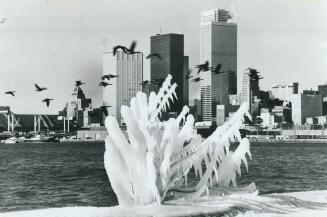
point(311, 203)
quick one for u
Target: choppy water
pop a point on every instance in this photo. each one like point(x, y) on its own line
point(72, 174)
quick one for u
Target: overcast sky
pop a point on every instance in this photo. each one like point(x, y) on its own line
point(55, 42)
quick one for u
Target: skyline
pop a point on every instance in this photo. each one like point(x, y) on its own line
point(59, 42)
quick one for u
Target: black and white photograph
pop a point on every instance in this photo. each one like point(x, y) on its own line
point(172, 108)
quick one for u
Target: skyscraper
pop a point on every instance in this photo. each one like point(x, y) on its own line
point(171, 49)
point(185, 81)
point(129, 68)
point(250, 90)
point(218, 45)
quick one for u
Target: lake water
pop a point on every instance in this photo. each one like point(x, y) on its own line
point(34, 176)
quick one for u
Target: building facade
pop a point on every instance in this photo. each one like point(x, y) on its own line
point(129, 69)
point(323, 91)
point(305, 105)
point(284, 91)
point(186, 81)
point(171, 49)
point(218, 45)
point(250, 91)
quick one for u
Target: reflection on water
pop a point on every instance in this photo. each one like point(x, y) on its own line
point(70, 174)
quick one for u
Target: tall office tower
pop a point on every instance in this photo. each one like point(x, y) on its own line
point(129, 68)
point(285, 91)
point(323, 91)
point(250, 90)
point(218, 45)
point(304, 106)
point(171, 49)
point(185, 81)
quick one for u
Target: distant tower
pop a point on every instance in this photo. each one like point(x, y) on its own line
point(218, 45)
point(171, 49)
point(250, 89)
point(129, 68)
point(185, 81)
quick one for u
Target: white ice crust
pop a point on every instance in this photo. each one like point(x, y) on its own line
point(298, 204)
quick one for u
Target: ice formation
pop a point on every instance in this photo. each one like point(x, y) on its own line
point(152, 161)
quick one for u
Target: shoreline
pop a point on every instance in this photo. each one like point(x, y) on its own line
point(290, 141)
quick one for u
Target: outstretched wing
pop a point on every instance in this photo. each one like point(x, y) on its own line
point(37, 86)
point(133, 45)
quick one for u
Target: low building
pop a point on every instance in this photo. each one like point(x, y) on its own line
point(220, 113)
point(305, 105)
point(322, 120)
point(268, 120)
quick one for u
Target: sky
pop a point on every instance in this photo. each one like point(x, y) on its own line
point(55, 42)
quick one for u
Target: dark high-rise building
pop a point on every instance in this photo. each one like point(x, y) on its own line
point(185, 81)
point(171, 49)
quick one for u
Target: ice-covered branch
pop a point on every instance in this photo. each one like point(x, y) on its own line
point(156, 156)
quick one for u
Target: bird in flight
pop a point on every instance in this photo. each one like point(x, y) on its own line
point(104, 84)
point(203, 67)
point(39, 89)
point(130, 50)
point(154, 55)
point(188, 76)
point(197, 79)
point(104, 109)
point(78, 83)
point(217, 69)
point(109, 76)
point(12, 92)
point(47, 101)
point(116, 48)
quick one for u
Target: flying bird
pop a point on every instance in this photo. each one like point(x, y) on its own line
point(104, 109)
point(130, 50)
point(109, 76)
point(154, 55)
point(203, 67)
point(197, 79)
point(116, 48)
point(104, 84)
point(217, 69)
point(188, 76)
point(78, 83)
point(12, 92)
point(47, 101)
point(39, 89)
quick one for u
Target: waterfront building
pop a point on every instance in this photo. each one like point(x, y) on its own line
point(305, 105)
point(282, 115)
point(322, 120)
point(185, 81)
point(323, 91)
point(250, 92)
point(220, 119)
point(268, 120)
point(129, 69)
point(218, 45)
point(76, 109)
point(171, 49)
point(235, 99)
point(285, 91)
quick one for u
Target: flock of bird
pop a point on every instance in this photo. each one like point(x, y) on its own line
point(105, 79)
